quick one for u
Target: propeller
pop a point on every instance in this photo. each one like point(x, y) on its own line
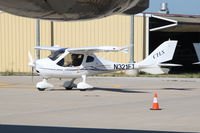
point(31, 63)
point(32, 69)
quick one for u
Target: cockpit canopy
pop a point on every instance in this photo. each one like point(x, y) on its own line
point(69, 60)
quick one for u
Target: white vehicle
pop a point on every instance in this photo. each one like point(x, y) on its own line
point(75, 63)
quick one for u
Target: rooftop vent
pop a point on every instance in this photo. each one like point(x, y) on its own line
point(164, 8)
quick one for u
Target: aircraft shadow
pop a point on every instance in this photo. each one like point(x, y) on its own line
point(116, 90)
point(178, 89)
point(46, 129)
point(122, 90)
point(103, 89)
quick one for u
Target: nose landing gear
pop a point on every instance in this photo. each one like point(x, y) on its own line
point(41, 86)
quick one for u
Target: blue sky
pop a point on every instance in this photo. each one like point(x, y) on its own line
point(191, 7)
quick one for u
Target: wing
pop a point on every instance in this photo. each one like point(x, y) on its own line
point(55, 48)
point(86, 50)
point(90, 50)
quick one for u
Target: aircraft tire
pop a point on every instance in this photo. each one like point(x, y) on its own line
point(41, 89)
point(68, 88)
point(83, 89)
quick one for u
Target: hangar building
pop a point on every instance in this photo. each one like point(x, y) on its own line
point(184, 28)
point(18, 36)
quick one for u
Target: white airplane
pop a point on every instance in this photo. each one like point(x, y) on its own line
point(75, 63)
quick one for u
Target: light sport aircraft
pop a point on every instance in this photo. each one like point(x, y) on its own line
point(66, 10)
point(75, 63)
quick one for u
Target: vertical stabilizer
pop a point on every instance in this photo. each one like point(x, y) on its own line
point(154, 62)
point(163, 53)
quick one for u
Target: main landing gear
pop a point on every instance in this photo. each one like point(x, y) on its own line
point(69, 85)
point(83, 85)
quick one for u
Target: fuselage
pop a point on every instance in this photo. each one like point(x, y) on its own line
point(48, 68)
point(72, 9)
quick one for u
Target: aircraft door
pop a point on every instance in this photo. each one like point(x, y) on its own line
point(71, 60)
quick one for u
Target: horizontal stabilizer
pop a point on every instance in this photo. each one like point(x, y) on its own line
point(155, 70)
point(169, 65)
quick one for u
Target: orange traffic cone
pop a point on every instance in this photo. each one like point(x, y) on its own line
point(155, 105)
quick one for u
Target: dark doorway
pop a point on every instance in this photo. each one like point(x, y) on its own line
point(185, 52)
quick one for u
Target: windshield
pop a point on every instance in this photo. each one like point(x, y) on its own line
point(54, 55)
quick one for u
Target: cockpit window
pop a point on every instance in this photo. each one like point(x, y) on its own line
point(56, 54)
point(71, 60)
point(89, 59)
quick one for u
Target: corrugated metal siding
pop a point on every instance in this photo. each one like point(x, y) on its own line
point(17, 37)
point(139, 38)
point(113, 31)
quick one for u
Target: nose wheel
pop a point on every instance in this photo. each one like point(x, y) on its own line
point(41, 89)
point(41, 86)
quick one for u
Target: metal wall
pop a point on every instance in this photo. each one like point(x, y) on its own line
point(18, 36)
point(110, 31)
point(139, 38)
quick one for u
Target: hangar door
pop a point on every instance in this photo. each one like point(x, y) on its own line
point(184, 29)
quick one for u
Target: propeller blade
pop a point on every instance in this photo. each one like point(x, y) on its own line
point(31, 62)
point(32, 74)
